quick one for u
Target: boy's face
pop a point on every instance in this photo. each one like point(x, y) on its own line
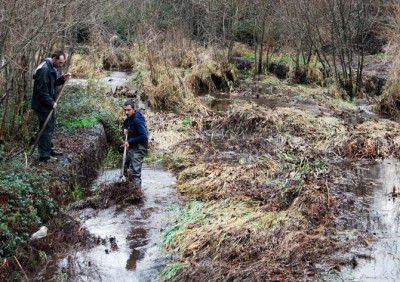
point(128, 110)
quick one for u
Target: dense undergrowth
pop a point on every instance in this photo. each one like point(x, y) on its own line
point(26, 204)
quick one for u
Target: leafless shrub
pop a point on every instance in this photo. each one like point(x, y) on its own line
point(390, 101)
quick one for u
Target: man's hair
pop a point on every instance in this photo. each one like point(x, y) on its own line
point(58, 54)
point(129, 102)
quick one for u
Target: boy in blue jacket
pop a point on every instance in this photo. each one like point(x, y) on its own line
point(135, 126)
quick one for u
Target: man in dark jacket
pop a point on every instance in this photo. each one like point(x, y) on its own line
point(135, 126)
point(46, 80)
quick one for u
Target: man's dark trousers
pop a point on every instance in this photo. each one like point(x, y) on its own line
point(45, 142)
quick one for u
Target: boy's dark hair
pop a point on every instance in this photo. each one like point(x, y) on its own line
point(58, 54)
point(129, 102)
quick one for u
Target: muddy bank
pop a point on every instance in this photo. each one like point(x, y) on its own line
point(82, 150)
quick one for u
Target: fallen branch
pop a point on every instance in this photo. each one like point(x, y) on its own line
point(19, 265)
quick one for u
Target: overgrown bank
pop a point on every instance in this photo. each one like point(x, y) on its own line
point(265, 188)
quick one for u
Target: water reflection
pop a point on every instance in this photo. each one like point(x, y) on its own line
point(381, 218)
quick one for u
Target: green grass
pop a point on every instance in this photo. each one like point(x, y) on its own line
point(77, 192)
point(379, 56)
point(187, 215)
point(171, 270)
point(112, 159)
point(77, 122)
point(282, 59)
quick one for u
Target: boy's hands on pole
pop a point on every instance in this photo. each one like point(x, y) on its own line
point(126, 144)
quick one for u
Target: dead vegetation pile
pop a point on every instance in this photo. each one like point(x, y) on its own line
point(118, 193)
point(254, 163)
point(238, 240)
point(373, 139)
point(254, 148)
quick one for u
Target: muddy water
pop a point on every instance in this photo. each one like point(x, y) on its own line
point(129, 246)
point(381, 217)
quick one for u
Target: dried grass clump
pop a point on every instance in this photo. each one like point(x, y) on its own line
point(243, 120)
point(208, 181)
point(166, 131)
point(167, 89)
point(86, 66)
point(121, 58)
point(389, 103)
point(314, 73)
point(165, 94)
point(210, 75)
point(373, 139)
point(301, 128)
point(171, 87)
point(238, 241)
point(322, 133)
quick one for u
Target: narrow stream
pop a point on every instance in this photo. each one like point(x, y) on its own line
point(111, 80)
point(381, 217)
point(130, 248)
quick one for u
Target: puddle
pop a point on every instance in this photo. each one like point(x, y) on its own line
point(129, 246)
point(381, 217)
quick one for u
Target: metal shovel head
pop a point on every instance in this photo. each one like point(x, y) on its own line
point(121, 178)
